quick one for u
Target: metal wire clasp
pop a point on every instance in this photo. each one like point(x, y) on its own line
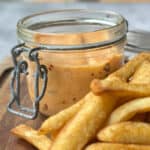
point(21, 67)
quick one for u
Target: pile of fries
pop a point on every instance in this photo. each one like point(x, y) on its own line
point(113, 116)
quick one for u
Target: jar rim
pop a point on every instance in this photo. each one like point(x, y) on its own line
point(115, 31)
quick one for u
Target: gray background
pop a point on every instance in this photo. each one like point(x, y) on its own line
point(138, 16)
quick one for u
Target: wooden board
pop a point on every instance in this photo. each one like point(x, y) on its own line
point(8, 121)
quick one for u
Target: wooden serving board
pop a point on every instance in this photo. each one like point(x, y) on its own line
point(9, 121)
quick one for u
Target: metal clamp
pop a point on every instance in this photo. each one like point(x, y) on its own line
point(21, 67)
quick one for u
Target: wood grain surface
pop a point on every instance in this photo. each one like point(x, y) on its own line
point(8, 121)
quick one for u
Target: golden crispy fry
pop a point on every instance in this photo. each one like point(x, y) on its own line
point(27, 133)
point(126, 111)
point(54, 123)
point(84, 126)
point(131, 67)
point(120, 88)
point(127, 133)
point(142, 74)
point(54, 134)
point(112, 146)
point(120, 82)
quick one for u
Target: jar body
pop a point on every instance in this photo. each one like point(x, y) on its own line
point(70, 74)
point(76, 46)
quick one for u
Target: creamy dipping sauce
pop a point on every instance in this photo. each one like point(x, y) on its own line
point(70, 74)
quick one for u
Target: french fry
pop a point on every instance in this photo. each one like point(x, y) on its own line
point(142, 74)
point(126, 133)
point(25, 132)
point(131, 67)
point(120, 88)
point(120, 82)
point(84, 126)
point(126, 111)
point(113, 146)
point(54, 123)
point(54, 134)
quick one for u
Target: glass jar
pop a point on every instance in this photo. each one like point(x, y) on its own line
point(74, 46)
